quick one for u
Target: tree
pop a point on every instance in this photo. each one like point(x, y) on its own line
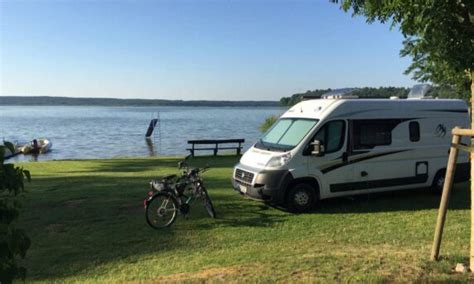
point(439, 37)
point(13, 241)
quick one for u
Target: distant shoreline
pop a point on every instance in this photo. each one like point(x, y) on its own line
point(67, 101)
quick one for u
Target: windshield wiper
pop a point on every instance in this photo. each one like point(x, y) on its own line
point(265, 146)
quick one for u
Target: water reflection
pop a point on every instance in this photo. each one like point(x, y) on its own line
point(151, 146)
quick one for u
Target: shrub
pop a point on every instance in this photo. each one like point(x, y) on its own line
point(269, 121)
point(13, 241)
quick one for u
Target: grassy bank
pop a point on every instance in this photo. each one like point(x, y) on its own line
point(87, 223)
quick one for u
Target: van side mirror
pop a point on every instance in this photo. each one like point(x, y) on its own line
point(317, 148)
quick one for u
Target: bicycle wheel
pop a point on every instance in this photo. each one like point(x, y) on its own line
point(161, 210)
point(207, 202)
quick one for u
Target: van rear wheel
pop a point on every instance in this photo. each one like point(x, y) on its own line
point(300, 198)
point(438, 182)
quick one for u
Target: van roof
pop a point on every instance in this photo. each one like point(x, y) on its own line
point(358, 108)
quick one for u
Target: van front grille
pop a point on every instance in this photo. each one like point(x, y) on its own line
point(243, 176)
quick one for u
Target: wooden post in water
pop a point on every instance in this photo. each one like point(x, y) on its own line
point(448, 183)
point(151, 127)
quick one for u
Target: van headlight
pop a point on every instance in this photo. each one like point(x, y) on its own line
point(279, 161)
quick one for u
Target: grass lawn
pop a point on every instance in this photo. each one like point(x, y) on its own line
point(87, 223)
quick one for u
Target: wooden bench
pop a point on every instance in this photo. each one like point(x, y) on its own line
point(216, 143)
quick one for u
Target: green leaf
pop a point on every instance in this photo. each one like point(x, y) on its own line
point(2, 153)
point(14, 242)
point(21, 273)
point(9, 146)
point(27, 174)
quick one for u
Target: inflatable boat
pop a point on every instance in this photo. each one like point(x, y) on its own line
point(37, 146)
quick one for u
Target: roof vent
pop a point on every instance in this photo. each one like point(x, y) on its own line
point(346, 93)
point(420, 91)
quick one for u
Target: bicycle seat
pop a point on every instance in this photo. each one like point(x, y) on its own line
point(158, 185)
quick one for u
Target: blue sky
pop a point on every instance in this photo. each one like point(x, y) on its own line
point(228, 50)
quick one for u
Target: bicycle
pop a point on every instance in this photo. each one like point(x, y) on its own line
point(173, 194)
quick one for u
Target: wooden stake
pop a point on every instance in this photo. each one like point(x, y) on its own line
point(471, 262)
point(443, 207)
point(463, 132)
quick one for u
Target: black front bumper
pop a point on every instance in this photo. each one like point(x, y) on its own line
point(269, 186)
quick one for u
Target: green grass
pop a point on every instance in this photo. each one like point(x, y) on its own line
point(86, 221)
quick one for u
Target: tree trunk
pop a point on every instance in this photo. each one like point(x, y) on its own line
point(471, 262)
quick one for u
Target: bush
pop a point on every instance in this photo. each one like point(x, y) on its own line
point(13, 241)
point(269, 121)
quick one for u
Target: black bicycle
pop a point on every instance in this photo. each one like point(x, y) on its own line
point(173, 194)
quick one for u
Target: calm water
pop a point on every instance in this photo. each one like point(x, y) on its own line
point(107, 132)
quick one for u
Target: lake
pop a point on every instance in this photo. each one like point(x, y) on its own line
point(88, 132)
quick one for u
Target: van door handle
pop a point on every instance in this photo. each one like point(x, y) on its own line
point(363, 173)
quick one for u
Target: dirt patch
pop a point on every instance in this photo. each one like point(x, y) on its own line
point(218, 274)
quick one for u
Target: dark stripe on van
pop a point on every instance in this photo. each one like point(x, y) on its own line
point(447, 110)
point(350, 186)
point(360, 159)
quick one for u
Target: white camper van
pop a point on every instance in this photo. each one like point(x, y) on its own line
point(342, 145)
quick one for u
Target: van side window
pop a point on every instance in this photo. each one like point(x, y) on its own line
point(370, 132)
point(414, 128)
point(331, 136)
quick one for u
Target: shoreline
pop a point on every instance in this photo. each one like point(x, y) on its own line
point(69, 101)
point(123, 158)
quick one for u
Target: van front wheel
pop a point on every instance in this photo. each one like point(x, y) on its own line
point(300, 198)
point(438, 182)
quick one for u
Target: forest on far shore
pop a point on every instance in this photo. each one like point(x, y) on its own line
point(375, 93)
point(68, 101)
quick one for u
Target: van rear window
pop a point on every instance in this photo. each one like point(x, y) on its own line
point(370, 133)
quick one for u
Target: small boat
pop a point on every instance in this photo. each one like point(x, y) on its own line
point(37, 146)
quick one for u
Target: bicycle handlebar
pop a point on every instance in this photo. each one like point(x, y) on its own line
point(196, 171)
point(183, 164)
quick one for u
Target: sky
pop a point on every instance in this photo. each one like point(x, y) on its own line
point(192, 49)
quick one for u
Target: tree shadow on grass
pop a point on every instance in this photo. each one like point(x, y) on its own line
point(80, 222)
point(88, 221)
point(402, 200)
point(244, 215)
point(136, 165)
point(392, 201)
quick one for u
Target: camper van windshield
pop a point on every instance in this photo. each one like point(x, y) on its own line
point(286, 134)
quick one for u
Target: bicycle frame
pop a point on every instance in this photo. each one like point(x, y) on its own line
point(181, 191)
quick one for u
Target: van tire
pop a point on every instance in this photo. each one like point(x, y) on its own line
point(438, 182)
point(301, 198)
